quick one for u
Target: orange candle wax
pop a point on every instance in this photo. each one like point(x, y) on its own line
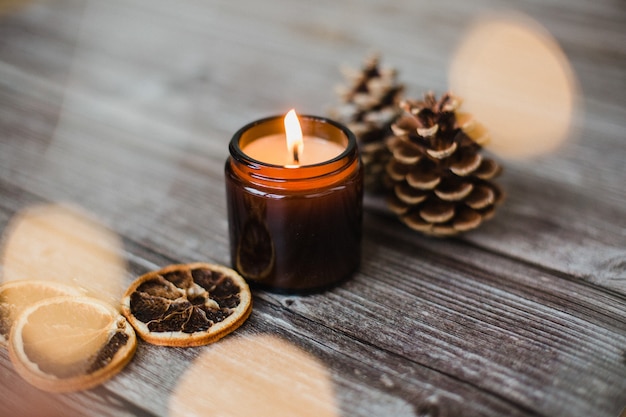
point(271, 149)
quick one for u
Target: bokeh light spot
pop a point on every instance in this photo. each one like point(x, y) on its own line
point(261, 376)
point(515, 79)
point(63, 244)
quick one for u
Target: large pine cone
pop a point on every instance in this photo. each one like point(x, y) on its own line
point(369, 107)
point(441, 184)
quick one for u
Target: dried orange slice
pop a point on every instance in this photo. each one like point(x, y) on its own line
point(70, 343)
point(255, 252)
point(15, 296)
point(187, 304)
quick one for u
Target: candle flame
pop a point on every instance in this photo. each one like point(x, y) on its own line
point(295, 144)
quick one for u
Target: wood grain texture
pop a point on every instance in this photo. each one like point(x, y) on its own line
point(125, 108)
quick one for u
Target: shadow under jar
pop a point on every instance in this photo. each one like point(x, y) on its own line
point(295, 229)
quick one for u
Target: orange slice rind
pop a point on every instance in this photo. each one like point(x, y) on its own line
point(16, 296)
point(70, 343)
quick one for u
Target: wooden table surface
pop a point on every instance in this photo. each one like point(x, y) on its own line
point(125, 109)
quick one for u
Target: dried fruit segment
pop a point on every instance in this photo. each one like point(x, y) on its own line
point(255, 252)
point(70, 343)
point(16, 296)
point(187, 304)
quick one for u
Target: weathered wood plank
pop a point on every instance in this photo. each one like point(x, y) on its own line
point(126, 108)
point(490, 331)
point(484, 327)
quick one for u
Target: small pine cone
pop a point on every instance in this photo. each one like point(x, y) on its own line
point(441, 183)
point(369, 107)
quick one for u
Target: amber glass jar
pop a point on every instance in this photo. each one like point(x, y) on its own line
point(295, 229)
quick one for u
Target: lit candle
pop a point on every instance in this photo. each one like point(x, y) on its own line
point(294, 203)
point(288, 148)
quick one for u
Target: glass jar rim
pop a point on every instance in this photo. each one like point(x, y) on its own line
point(322, 124)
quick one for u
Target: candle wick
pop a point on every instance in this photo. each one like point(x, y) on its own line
point(296, 157)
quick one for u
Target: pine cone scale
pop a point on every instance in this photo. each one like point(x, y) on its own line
point(466, 164)
point(454, 190)
point(481, 197)
point(467, 219)
point(408, 194)
point(423, 175)
point(488, 169)
point(437, 211)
